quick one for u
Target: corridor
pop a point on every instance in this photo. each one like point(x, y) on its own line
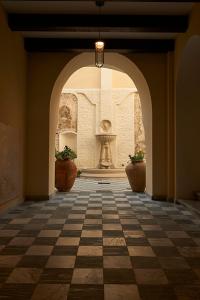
point(99, 245)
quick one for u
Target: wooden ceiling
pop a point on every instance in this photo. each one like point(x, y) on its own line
point(125, 25)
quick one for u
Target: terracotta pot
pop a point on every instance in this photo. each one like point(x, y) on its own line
point(65, 174)
point(136, 173)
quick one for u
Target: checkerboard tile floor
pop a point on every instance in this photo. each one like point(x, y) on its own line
point(100, 245)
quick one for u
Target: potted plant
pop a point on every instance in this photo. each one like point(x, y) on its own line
point(65, 169)
point(136, 172)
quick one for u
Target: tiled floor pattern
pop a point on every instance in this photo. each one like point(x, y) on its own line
point(100, 245)
point(101, 184)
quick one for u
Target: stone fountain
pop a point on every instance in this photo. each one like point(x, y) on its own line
point(106, 168)
point(105, 161)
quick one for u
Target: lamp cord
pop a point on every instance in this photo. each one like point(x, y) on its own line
point(100, 3)
point(99, 22)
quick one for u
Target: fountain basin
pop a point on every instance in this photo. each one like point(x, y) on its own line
point(105, 137)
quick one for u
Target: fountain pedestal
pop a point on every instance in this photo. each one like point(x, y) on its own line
point(105, 161)
point(106, 167)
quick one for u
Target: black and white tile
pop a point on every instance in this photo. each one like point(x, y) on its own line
point(100, 245)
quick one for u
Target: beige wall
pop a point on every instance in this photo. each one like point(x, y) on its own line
point(12, 115)
point(187, 68)
point(121, 80)
point(154, 68)
point(44, 69)
point(87, 77)
point(90, 77)
point(187, 121)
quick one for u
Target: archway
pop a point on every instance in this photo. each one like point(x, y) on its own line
point(114, 61)
point(187, 121)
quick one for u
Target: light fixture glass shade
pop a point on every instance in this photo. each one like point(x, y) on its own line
point(99, 54)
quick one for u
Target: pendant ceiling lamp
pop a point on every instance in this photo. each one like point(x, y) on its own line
point(99, 44)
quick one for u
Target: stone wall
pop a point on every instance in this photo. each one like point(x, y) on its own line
point(138, 123)
point(119, 114)
point(86, 140)
point(124, 118)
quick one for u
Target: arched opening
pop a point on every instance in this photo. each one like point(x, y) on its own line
point(100, 118)
point(187, 121)
point(113, 61)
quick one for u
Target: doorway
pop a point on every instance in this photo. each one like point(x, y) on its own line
point(118, 63)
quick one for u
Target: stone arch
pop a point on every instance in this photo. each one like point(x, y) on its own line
point(187, 120)
point(113, 61)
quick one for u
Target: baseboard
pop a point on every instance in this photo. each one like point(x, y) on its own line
point(9, 204)
point(193, 205)
point(162, 198)
point(39, 197)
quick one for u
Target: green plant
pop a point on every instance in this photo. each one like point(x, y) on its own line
point(67, 153)
point(139, 156)
point(79, 173)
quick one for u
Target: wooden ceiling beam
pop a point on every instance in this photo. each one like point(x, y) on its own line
point(94, 23)
point(78, 45)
